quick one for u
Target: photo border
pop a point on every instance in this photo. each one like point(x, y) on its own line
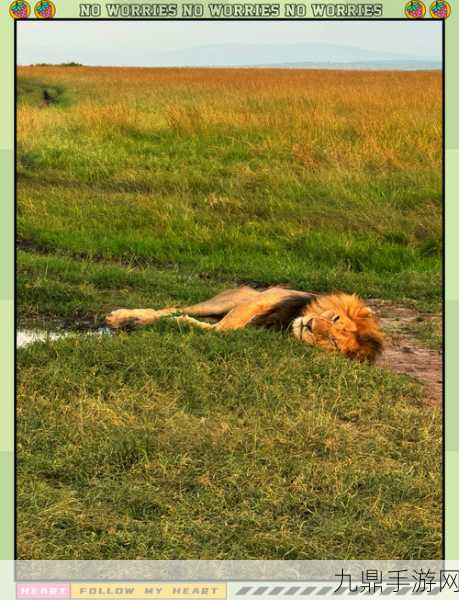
point(444, 181)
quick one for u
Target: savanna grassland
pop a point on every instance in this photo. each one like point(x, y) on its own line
point(152, 187)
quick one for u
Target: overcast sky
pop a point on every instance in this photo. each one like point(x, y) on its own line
point(147, 43)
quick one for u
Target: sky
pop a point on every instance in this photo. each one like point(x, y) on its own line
point(148, 43)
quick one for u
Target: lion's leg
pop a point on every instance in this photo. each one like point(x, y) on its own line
point(139, 317)
point(194, 322)
point(264, 304)
point(241, 315)
point(237, 318)
point(222, 303)
point(217, 306)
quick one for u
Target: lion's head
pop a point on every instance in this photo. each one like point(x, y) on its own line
point(340, 323)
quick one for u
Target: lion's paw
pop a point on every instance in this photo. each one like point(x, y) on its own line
point(139, 317)
point(118, 317)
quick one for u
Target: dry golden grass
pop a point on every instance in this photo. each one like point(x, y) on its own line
point(344, 119)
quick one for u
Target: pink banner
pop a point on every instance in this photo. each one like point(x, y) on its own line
point(43, 590)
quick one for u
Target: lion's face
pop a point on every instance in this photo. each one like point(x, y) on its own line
point(346, 326)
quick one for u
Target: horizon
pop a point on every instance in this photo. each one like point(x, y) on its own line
point(226, 44)
point(314, 66)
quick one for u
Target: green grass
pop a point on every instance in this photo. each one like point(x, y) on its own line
point(427, 331)
point(142, 187)
point(32, 92)
point(59, 286)
point(169, 444)
point(235, 186)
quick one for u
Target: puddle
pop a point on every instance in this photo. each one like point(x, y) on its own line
point(24, 337)
point(31, 335)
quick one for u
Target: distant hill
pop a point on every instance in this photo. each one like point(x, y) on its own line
point(407, 65)
point(290, 56)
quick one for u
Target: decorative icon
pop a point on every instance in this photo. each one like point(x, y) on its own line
point(440, 9)
point(415, 9)
point(44, 9)
point(20, 9)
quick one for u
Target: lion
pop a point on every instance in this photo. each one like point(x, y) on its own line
point(338, 322)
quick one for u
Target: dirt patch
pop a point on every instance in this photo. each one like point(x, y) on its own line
point(405, 353)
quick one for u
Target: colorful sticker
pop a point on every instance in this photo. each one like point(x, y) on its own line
point(20, 9)
point(440, 9)
point(44, 9)
point(415, 9)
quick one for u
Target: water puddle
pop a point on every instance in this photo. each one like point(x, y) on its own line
point(24, 337)
point(32, 334)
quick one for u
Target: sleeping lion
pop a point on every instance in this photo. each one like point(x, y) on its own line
point(335, 322)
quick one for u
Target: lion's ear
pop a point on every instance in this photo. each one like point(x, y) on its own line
point(366, 313)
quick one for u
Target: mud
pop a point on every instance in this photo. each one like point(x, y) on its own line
point(404, 353)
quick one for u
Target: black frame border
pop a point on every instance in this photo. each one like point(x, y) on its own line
point(256, 19)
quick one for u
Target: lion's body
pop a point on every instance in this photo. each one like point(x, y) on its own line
point(335, 322)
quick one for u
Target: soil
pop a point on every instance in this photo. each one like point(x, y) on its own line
point(404, 353)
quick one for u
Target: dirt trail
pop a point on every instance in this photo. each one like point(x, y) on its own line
point(404, 353)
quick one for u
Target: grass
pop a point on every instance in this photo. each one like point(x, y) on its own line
point(190, 445)
point(39, 93)
point(149, 187)
point(318, 179)
point(427, 331)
